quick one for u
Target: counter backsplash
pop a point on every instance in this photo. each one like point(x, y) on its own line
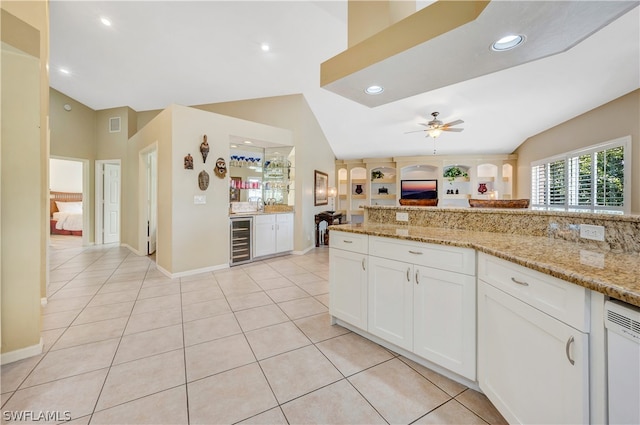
point(622, 233)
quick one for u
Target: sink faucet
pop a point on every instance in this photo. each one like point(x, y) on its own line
point(260, 204)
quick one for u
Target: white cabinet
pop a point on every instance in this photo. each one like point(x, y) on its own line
point(391, 301)
point(284, 232)
point(532, 365)
point(348, 278)
point(273, 233)
point(426, 303)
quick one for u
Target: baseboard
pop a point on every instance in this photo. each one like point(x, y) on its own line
point(191, 272)
point(130, 248)
point(304, 251)
point(22, 353)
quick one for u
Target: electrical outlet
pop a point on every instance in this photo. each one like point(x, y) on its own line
point(402, 216)
point(588, 231)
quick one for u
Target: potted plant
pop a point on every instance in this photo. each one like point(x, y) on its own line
point(376, 174)
point(453, 172)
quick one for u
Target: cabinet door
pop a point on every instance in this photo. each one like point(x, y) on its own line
point(532, 367)
point(264, 235)
point(391, 301)
point(284, 232)
point(444, 305)
point(348, 287)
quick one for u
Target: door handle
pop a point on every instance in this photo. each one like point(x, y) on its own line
point(415, 252)
point(363, 264)
point(567, 348)
point(519, 282)
point(347, 241)
point(418, 277)
point(408, 274)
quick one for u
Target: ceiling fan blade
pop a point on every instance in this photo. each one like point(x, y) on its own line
point(456, 122)
point(424, 123)
point(457, 130)
point(416, 131)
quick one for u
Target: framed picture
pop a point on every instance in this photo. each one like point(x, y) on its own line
point(321, 187)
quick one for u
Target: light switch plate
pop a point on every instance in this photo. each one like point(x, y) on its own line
point(402, 216)
point(588, 231)
point(199, 199)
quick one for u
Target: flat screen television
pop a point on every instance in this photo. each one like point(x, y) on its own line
point(419, 189)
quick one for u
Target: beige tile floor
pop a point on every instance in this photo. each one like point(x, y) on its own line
point(251, 344)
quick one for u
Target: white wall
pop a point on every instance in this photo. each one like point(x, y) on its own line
point(65, 176)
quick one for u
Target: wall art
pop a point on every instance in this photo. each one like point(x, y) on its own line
point(220, 168)
point(203, 180)
point(188, 162)
point(321, 185)
point(204, 149)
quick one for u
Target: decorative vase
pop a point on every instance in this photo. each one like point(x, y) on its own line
point(482, 188)
point(359, 189)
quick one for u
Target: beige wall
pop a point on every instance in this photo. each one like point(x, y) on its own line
point(312, 150)
point(23, 174)
point(73, 135)
point(190, 237)
point(618, 118)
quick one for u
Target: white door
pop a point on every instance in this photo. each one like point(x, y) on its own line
point(111, 204)
point(390, 310)
point(264, 235)
point(444, 305)
point(348, 287)
point(532, 367)
point(284, 232)
point(152, 201)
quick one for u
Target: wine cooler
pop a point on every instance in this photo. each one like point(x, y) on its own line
point(241, 240)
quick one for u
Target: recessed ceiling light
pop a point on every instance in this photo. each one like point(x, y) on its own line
point(265, 47)
point(234, 146)
point(64, 71)
point(507, 43)
point(105, 21)
point(374, 90)
point(247, 142)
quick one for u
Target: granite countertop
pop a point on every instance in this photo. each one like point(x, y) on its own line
point(614, 274)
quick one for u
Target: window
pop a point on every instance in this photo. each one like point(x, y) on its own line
point(589, 180)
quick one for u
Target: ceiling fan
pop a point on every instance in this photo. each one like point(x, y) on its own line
point(435, 127)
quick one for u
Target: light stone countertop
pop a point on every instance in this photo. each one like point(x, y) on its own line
point(614, 274)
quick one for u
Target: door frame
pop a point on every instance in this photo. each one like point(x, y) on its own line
point(86, 205)
point(99, 199)
point(143, 209)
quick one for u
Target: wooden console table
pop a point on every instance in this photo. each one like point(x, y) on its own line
point(330, 217)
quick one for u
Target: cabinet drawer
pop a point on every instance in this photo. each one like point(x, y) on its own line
point(451, 258)
point(264, 219)
point(284, 218)
point(353, 242)
point(563, 300)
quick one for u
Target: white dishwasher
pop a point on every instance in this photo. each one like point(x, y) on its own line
point(623, 352)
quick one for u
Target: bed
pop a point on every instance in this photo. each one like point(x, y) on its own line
point(66, 213)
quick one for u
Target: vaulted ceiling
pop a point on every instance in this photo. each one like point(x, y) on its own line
point(158, 53)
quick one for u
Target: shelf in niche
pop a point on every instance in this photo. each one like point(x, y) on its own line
point(389, 180)
point(358, 196)
point(486, 179)
point(458, 196)
point(458, 179)
point(342, 196)
point(359, 181)
point(384, 196)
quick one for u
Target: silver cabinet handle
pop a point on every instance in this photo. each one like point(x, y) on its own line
point(346, 241)
point(415, 252)
point(567, 347)
point(408, 276)
point(363, 264)
point(417, 277)
point(513, 279)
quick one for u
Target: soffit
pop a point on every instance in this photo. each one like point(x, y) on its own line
point(463, 52)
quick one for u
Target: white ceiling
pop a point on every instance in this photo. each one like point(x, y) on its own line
point(158, 53)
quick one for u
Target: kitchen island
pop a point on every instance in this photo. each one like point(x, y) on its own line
point(511, 302)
